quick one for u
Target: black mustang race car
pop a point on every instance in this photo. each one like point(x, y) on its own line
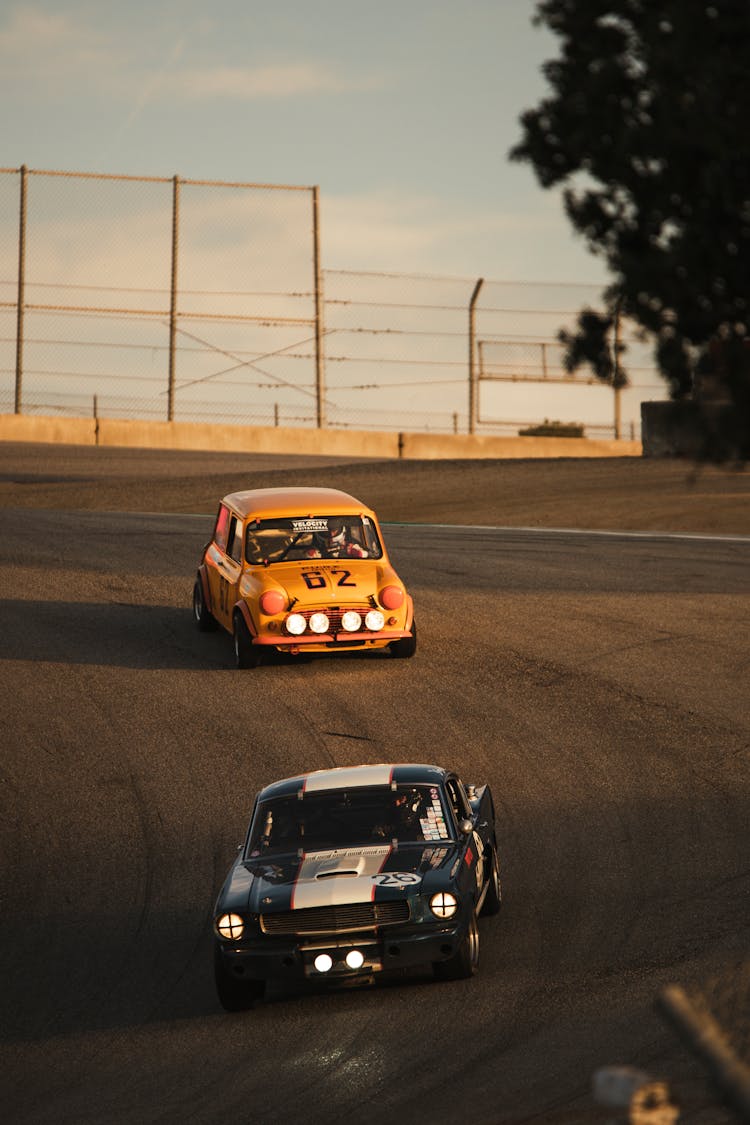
point(349, 872)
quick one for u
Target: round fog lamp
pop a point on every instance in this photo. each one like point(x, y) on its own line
point(323, 963)
point(443, 904)
point(230, 926)
point(295, 623)
point(319, 623)
point(350, 621)
point(374, 620)
point(355, 959)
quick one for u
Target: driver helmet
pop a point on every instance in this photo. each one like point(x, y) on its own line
point(336, 533)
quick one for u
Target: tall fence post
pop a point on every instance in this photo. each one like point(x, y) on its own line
point(473, 404)
point(21, 297)
point(616, 377)
point(173, 296)
point(320, 386)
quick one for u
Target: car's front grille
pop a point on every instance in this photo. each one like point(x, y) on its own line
point(336, 919)
point(335, 613)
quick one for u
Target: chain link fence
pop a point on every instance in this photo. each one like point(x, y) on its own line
point(146, 298)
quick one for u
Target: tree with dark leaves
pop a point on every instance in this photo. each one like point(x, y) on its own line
point(647, 128)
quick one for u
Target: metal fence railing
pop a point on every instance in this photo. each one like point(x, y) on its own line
point(205, 301)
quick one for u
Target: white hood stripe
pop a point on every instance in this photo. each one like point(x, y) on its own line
point(337, 877)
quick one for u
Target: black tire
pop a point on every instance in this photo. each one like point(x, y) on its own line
point(405, 647)
point(202, 615)
point(235, 995)
point(465, 961)
point(246, 654)
point(494, 897)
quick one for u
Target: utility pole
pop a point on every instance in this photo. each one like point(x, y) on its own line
point(473, 388)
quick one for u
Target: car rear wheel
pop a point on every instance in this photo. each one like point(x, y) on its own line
point(405, 647)
point(235, 995)
point(246, 654)
point(465, 961)
point(202, 615)
point(494, 897)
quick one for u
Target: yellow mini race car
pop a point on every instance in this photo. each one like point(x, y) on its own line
point(301, 570)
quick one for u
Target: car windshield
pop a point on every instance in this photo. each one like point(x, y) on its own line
point(358, 817)
point(311, 537)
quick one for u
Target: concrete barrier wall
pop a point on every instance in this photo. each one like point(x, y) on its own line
point(286, 439)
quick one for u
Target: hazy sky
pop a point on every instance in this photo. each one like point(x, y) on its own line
point(402, 111)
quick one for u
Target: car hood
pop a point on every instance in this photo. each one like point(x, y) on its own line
point(334, 581)
point(334, 877)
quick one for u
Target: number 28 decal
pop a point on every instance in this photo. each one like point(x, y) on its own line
point(315, 580)
point(396, 879)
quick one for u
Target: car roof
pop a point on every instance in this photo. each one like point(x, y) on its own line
point(348, 777)
point(294, 502)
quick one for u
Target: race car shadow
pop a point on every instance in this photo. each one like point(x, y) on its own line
point(128, 635)
point(106, 634)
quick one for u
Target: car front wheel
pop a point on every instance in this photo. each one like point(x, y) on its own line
point(465, 961)
point(406, 646)
point(235, 995)
point(246, 654)
point(494, 897)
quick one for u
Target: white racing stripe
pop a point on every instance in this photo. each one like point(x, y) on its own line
point(348, 777)
point(337, 877)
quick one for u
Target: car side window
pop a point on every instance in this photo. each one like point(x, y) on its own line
point(234, 539)
point(221, 529)
point(457, 798)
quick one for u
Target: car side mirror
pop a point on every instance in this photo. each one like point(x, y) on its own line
point(466, 827)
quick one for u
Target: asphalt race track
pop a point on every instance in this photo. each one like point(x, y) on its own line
point(598, 682)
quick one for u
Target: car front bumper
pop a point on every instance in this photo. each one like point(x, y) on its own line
point(279, 958)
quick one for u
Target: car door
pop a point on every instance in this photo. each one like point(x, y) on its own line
point(474, 854)
point(224, 565)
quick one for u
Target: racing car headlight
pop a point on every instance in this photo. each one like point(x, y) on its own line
point(443, 904)
point(230, 926)
point(374, 620)
point(392, 597)
point(295, 623)
point(350, 621)
point(318, 623)
point(272, 602)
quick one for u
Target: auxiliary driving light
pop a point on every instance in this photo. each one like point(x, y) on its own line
point(355, 959)
point(318, 623)
point(230, 926)
point(375, 620)
point(323, 963)
point(295, 623)
point(350, 621)
point(443, 904)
